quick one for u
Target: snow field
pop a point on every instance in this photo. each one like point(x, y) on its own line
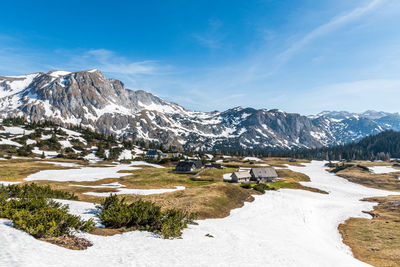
point(280, 228)
point(143, 192)
point(82, 174)
point(383, 169)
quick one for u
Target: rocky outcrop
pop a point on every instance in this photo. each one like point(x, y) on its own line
point(90, 99)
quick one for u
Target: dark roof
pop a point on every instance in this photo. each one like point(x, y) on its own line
point(188, 164)
point(182, 164)
point(198, 164)
point(264, 172)
point(154, 152)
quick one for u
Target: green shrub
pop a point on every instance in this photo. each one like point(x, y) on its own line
point(44, 218)
point(34, 191)
point(246, 186)
point(341, 167)
point(78, 147)
point(30, 210)
point(261, 188)
point(143, 215)
point(68, 150)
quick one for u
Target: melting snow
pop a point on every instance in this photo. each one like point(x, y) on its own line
point(383, 169)
point(252, 159)
point(125, 191)
point(125, 154)
point(81, 174)
point(309, 220)
point(9, 142)
point(19, 84)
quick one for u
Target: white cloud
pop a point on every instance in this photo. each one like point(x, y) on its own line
point(212, 38)
point(326, 28)
point(357, 88)
point(109, 61)
point(355, 96)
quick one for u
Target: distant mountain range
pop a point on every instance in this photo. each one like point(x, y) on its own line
point(90, 99)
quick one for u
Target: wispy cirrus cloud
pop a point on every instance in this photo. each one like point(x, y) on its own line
point(379, 94)
point(211, 38)
point(109, 61)
point(323, 29)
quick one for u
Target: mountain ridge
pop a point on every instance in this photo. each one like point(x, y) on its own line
point(90, 99)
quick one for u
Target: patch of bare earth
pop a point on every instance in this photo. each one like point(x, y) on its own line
point(70, 242)
point(376, 241)
point(386, 181)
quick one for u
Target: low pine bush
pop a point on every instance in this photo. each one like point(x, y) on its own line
point(339, 168)
point(143, 215)
point(261, 188)
point(30, 209)
point(35, 191)
point(246, 186)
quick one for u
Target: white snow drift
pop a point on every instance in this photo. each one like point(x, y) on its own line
point(143, 192)
point(124, 191)
point(81, 174)
point(383, 169)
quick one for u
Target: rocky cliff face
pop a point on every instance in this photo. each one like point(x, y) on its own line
point(90, 99)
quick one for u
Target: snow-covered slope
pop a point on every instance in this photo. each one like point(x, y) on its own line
point(344, 127)
point(90, 99)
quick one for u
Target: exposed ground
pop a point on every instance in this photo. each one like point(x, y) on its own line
point(210, 198)
point(15, 170)
point(291, 180)
point(376, 241)
point(70, 242)
point(386, 181)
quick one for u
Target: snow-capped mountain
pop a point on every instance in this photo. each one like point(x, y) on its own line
point(90, 99)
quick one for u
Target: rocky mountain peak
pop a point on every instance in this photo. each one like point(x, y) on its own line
point(89, 98)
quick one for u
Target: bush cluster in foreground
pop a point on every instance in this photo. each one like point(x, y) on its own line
point(30, 209)
point(34, 191)
point(143, 215)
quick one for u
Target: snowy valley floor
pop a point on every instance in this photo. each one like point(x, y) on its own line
point(280, 228)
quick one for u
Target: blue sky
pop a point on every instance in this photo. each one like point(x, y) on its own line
point(300, 56)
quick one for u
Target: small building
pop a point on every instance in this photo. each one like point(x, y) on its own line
point(263, 174)
point(240, 177)
point(188, 166)
point(214, 165)
point(154, 154)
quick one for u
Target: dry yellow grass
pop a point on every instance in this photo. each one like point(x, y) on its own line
point(388, 181)
point(376, 241)
point(18, 169)
point(368, 163)
point(295, 176)
point(210, 201)
point(215, 174)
